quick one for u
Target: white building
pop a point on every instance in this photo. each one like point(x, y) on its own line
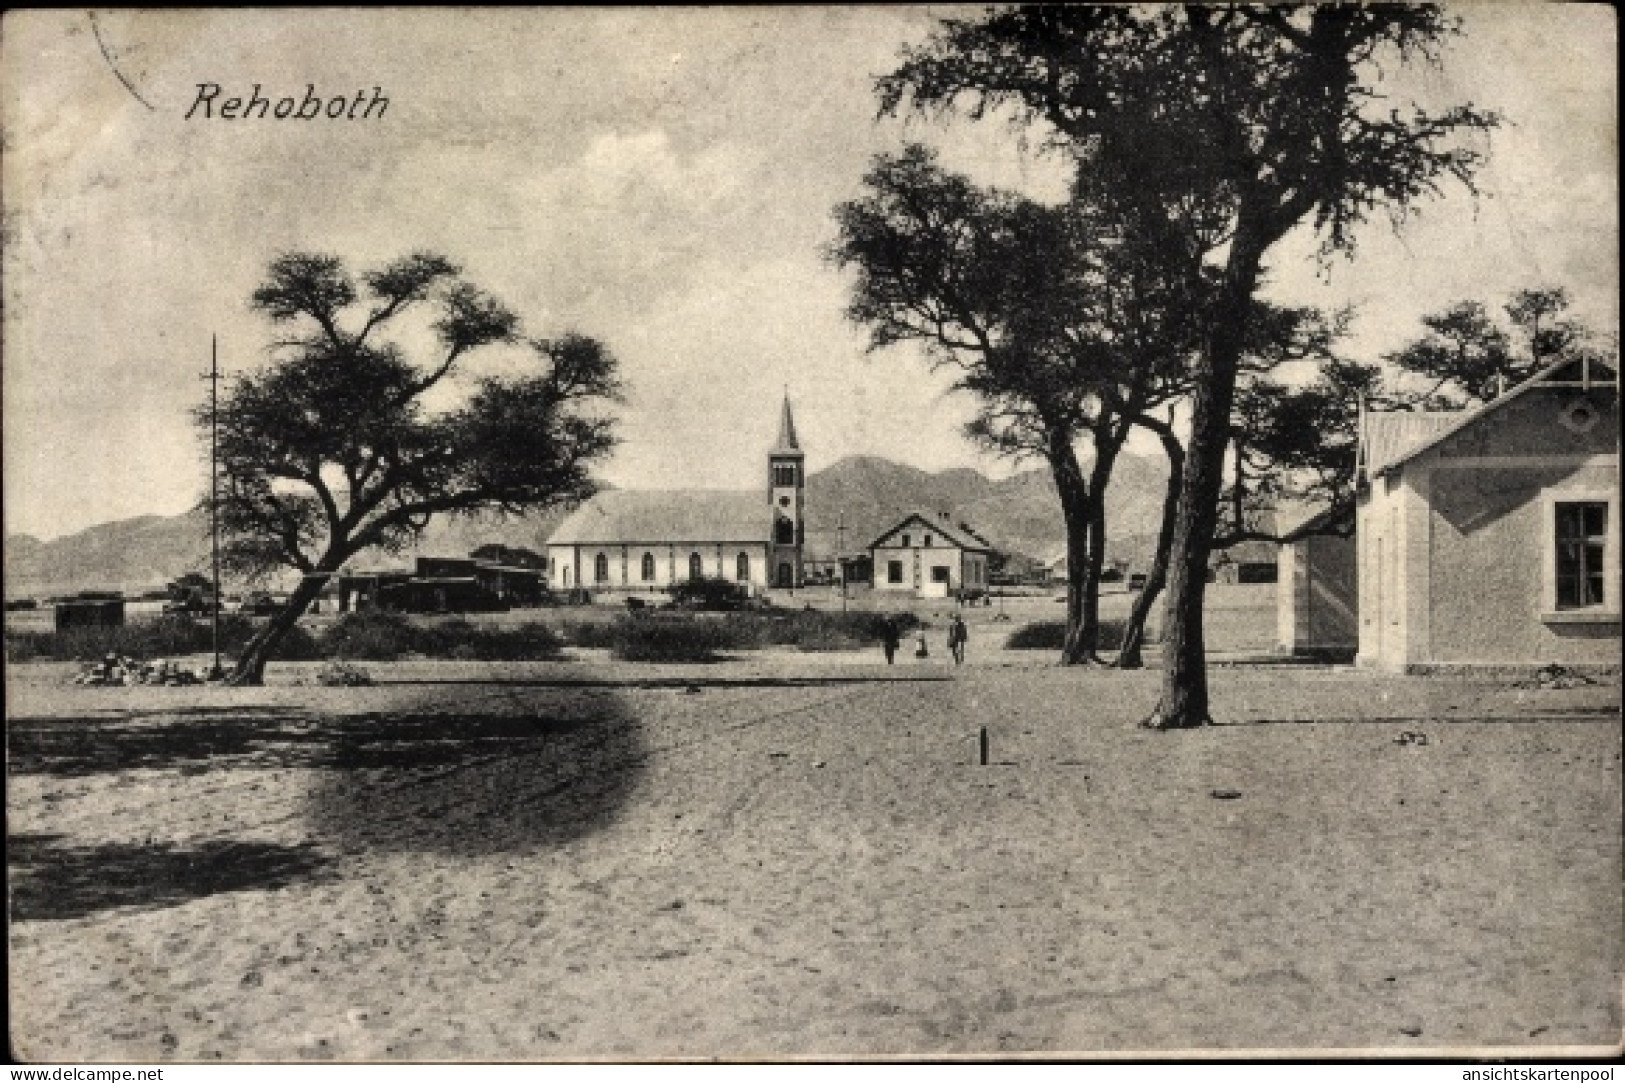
point(633, 540)
point(931, 556)
point(1491, 536)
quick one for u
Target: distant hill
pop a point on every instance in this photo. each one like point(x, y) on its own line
point(141, 554)
point(1020, 514)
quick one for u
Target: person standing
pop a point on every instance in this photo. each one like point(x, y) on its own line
point(890, 638)
point(957, 635)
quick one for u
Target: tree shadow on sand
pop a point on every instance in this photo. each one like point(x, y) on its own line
point(468, 784)
point(52, 880)
point(458, 773)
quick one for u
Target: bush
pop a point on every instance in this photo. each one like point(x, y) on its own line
point(1050, 635)
point(817, 630)
point(809, 630)
point(669, 638)
point(463, 640)
point(343, 675)
point(380, 635)
point(164, 636)
point(704, 593)
point(375, 635)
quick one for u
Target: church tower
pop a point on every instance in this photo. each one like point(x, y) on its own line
point(787, 487)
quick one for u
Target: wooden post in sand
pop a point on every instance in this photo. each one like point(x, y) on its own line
point(984, 746)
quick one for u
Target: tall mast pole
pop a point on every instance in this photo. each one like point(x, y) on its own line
point(840, 554)
point(214, 490)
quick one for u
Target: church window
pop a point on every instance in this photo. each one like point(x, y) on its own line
point(648, 569)
point(600, 568)
point(784, 532)
point(784, 476)
point(696, 567)
point(742, 568)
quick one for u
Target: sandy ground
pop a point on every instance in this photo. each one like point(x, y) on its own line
point(786, 856)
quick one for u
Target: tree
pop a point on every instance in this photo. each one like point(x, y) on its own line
point(1274, 113)
point(1041, 311)
point(1269, 421)
point(1469, 358)
point(342, 445)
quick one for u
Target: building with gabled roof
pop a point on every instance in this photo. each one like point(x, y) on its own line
point(628, 539)
point(931, 555)
point(1317, 595)
point(1491, 536)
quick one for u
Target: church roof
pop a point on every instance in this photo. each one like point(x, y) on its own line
point(633, 516)
point(787, 431)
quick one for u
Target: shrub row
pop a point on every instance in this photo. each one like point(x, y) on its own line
point(171, 634)
point(372, 636)
point(378, 635)
point(699, 636)
point(382, 636)
point(1050, 635)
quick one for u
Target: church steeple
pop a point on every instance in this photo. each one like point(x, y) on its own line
point(787, 430)
point(786, 491)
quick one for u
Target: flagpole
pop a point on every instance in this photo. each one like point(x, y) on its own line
point(214, 492)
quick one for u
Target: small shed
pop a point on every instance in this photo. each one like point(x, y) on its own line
point(1317, 597)
point(89, 613)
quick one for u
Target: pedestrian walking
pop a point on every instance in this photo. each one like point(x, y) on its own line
point(957, 636)
point(890, 638)
point(920, 650)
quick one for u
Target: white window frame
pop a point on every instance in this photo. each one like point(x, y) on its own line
point(1609, 609)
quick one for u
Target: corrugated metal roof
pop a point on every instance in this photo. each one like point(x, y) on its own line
point(1389, 443)
point(1390, 438)
point(631, 516)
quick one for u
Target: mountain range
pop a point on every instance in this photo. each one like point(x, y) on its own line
point(1020, 514)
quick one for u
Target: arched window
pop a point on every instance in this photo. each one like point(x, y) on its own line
point(648, 567)
point(784, 532)
point(696, 567)
point(742, 568)
point(600, 568)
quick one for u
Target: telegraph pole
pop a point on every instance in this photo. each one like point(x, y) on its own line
point(840, 554)
point(214, 494)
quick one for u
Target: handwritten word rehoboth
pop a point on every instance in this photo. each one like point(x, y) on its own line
point(311, 107)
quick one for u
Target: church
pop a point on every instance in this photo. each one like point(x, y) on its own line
point(644, 540)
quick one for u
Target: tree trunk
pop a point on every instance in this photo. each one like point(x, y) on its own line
point(1095, 552)
point(250, 666)
point(1130, 656)
point(1077, 515)
point(1184, 702)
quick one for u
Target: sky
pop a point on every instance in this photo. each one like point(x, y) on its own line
point(660, 179)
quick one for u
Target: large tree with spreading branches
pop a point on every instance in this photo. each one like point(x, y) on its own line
point(342, 444)
point(1276, 113)
point(1053, 318)
point(1466, 356)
